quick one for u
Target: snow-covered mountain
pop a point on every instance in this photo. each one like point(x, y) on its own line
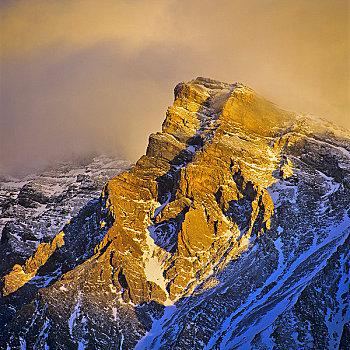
point(232, 232)
point(35, 208)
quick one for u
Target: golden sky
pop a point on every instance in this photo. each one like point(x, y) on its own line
point(83, 76)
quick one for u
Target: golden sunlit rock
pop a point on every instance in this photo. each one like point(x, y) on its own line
point(215, 236)
point(20, 275)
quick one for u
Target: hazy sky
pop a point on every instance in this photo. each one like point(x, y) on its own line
point(84, 76)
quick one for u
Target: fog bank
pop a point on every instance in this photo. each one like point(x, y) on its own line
point(83, 77)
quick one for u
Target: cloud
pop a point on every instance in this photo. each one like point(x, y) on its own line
point(70, 25)
point(81, 76)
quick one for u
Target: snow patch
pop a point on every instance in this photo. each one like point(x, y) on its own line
point(121, 341)
point(115, 313)
point(112, 288)
point(23, 344)
point(153, 268)
point(156, 330)
point(81, 346)
point(73, 316)
point(336, 317)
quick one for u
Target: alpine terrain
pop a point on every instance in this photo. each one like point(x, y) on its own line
point(232, 232)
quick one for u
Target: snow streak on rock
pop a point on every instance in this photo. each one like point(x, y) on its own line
point(232, 232)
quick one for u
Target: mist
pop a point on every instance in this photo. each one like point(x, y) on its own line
point(87, 77)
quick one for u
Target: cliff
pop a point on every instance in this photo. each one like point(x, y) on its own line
point(231, 232)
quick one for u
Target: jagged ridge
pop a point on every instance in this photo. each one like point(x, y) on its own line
point(234, 209)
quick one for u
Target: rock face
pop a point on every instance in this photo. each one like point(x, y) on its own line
point(33, 210)
point(232, 232)
point(30, 225)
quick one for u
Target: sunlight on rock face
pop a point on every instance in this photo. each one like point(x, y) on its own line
point(234, 220)
point(20, 275)
point(81, 77)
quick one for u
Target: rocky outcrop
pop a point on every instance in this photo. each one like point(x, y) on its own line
point(34, 209)
point(216, 234)
point(19, 275)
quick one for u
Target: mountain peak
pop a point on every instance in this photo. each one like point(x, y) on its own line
point(211, 240)
point(235, 103)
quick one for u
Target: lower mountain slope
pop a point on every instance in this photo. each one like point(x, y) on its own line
point(232, 232)
point(35, 208)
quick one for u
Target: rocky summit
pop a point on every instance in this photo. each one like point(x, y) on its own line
point(232, 232)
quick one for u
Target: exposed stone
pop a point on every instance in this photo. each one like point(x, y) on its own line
point(20, 275)
point(233, 215)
